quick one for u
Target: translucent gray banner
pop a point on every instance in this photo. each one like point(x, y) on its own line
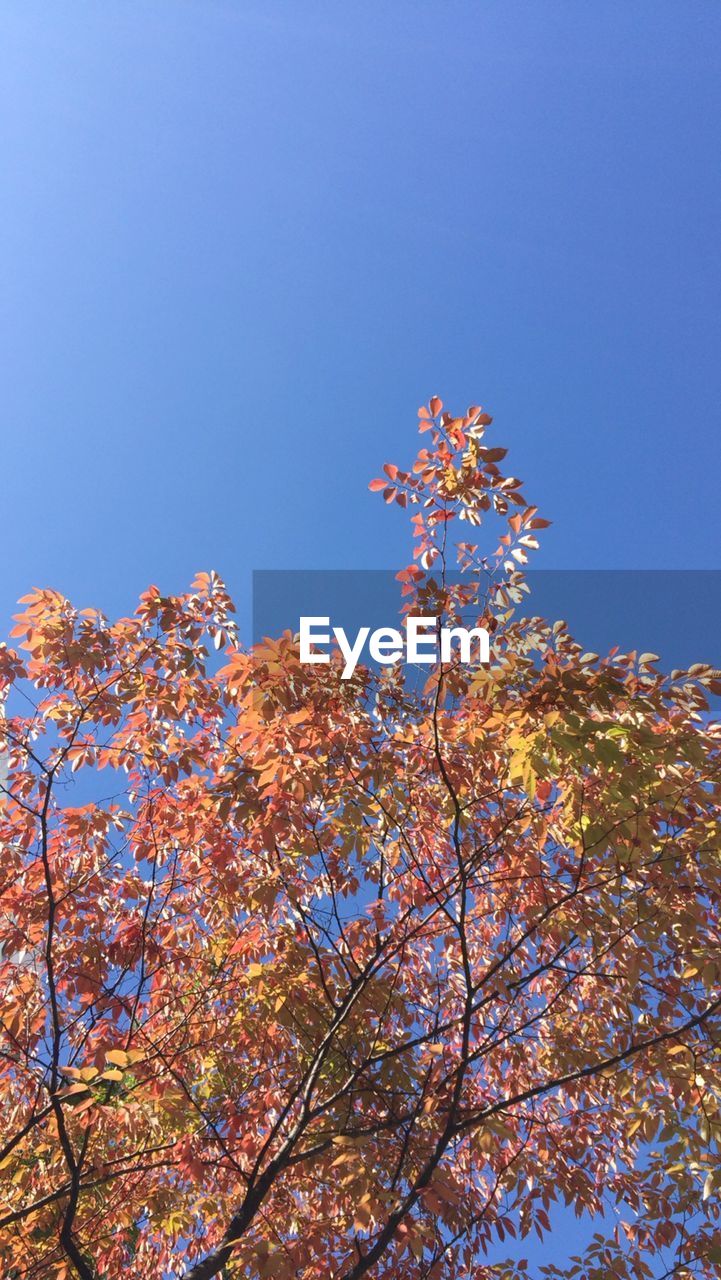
point(673, 613)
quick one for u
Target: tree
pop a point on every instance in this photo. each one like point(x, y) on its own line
point(305, 977)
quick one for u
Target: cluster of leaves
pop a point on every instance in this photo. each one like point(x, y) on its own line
point(305, 977)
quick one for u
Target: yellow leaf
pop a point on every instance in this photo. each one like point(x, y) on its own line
point(71, 1090)
point(118, 1056)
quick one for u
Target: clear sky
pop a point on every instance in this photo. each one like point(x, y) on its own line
point(241, 241)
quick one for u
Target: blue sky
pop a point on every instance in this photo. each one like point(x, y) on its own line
point(242, 241)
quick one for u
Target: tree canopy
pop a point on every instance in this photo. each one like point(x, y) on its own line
point(309, 978)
